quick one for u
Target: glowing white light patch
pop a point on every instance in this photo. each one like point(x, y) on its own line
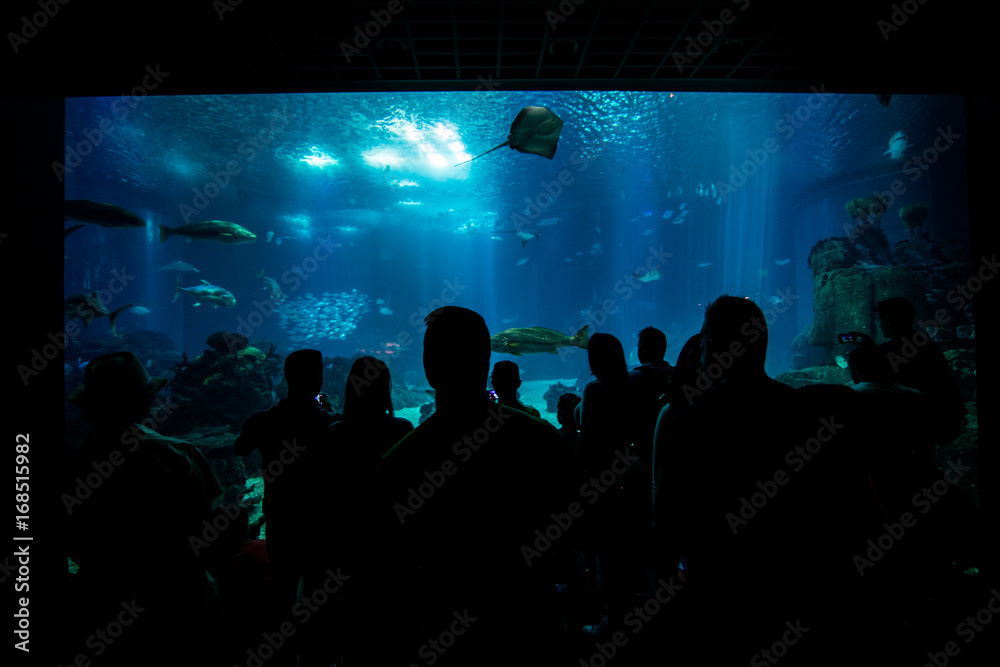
point(297, 219)
point(318, 159)
point(383, 156)
point(445, 133)
point(435, 159)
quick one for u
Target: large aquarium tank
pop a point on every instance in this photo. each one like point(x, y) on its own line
point(262, 224)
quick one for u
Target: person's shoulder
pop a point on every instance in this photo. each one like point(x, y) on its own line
point(521, 424)
point(263, 418)
point(151, 437)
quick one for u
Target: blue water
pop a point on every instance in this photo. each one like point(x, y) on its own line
point(361, 190)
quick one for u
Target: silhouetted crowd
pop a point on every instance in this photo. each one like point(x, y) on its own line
point(697, 514)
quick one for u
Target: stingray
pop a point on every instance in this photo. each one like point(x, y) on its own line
point(535, 130)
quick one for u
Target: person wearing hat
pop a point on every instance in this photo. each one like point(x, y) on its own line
point(132, 500)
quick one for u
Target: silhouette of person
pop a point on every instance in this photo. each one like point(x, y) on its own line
point(621, 513)
point(685, 383)
point(747, 571)
point(917, 362)
point(290, 436)
point(133, 500)
point(506, 380)
point(896, 414)
point(357, 442)
point(651, 386)
point(456, 506)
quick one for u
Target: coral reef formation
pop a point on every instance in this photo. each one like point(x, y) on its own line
point(868, 209)
point(220, 389)
point(913, 217)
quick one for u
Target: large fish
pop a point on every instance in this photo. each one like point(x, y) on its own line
point(534, 130)
point(88, 307)
point(897, 144)
point(220, 231)
point(207, 292)
point(533, 340)
point(98, 213)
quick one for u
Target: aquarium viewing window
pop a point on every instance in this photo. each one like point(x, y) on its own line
point(339, 220)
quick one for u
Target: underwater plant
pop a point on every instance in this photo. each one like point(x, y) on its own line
point(877, 205)
point(913, 217)
point(867, 209)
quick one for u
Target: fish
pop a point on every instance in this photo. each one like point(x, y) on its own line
point(621, 191)
point(841, 361)
point(782, 262)
point(718, 200)
point(775, 300)
point(667, 214)
point(678, 220)
point(178, 266)
point(683, 205)
point(524, 236)
point(88, 307)
point(897, 144)
point(386, 169)
point(522, 261)
point(685, 211)
point(646, 214)
point(70, 230)
point(715, 192)
point(220, 231)
point(207, 292)
point(140, 310)
point(277, 296)
point(649, 276)
point(702, 265)
point(270, 235)
point(534, 130)
point(278, 240)
point(647, 232)
point(535, 340)
point(548, 221)
point(385, 310)
point(101, 214)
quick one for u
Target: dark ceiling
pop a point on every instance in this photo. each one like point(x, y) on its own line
point(299, 45)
